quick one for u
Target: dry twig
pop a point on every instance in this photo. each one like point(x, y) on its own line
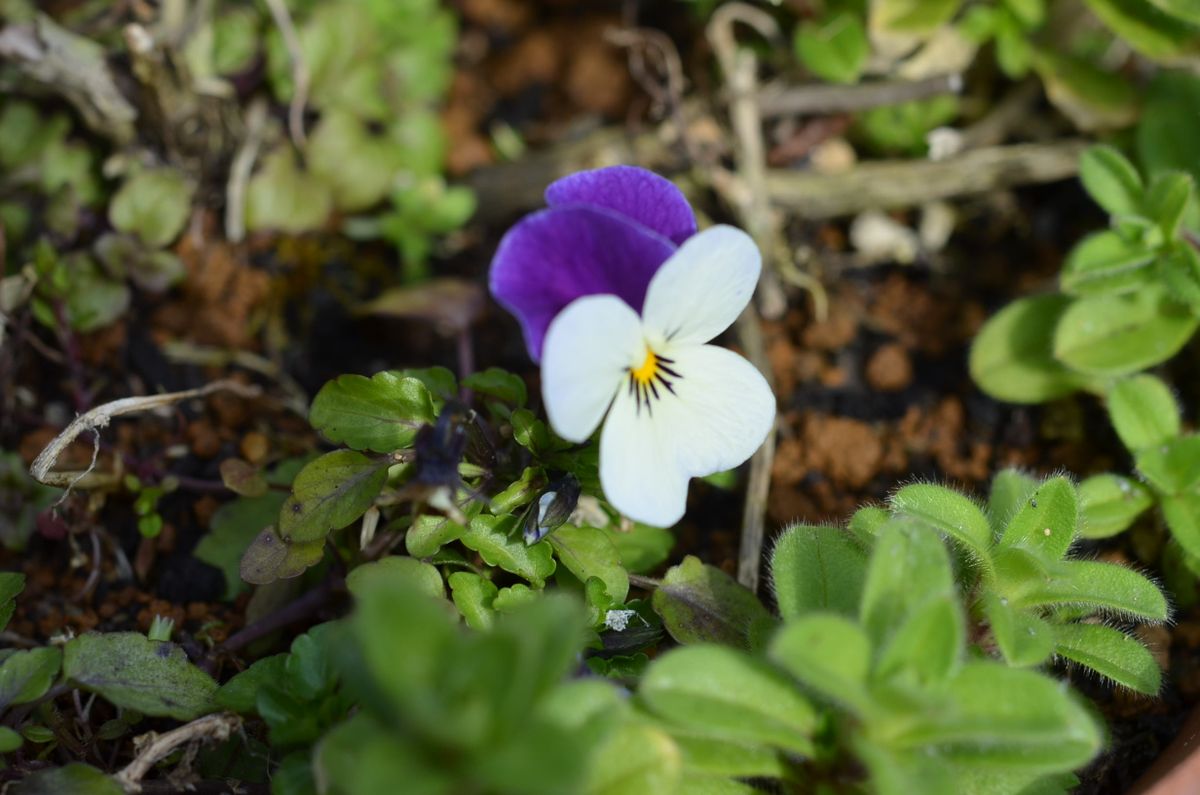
point(822, 99)
point(43, 466)
point(239, 171)
point(156, 747)
point(300, 73)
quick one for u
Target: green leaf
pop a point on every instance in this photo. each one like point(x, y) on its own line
point(1111, 180)
point(699, 603)
point(834, 48)
point(1186, 10)
point(949, 513)
point(1105, 262)
point(270, 558)
point(908, 567)
point(239, 694)
point(1024, 639)
point(643, 547)
point(134, 672)
point(718, 692)
point(927, 647)
point(1182, 513)
point(587, 552)
point(382, 413)
point(1164, 142)
point(428, 534)
point(11, 584)
point(153, 204)
point(1172, 467)
point(233, 529)
point(1036, 725)
point(1091, 97)
point(1011, 358)
point(75, 778)
point(330, 493)
point(426, 577)
point(636, 758)
point(359, 168)
point(1104, 587)
point(26, 675)
point(500, 384)
point(361, 756)
point(916, 17)
point(712, 757)
point(1110, 653)
point(493, 539)
point(473, 596)
point(1167, 201)
point(1115, 335)
point(1147, 29)
point(866, 522)
point(9, 740)
point(1143, 411)
point(282, 197)
point(1011, 490)
point(828, 653)
point(1047, 523)
point(1109, 504)
point(817, 568)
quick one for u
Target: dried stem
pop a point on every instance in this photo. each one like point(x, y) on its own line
point(822, 99)
point(300, 74)
point(239, 172)
point(293, 612)
point(156, 747)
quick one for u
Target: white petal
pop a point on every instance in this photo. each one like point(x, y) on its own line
point(726, 405)
point(639, 463)
point(587, 350)
point(719, 413)
point(702, 288)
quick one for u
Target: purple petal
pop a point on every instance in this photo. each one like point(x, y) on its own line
point(557, 255)
point(636, 193)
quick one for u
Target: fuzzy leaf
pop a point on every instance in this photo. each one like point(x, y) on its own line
point(725, 694)
point(133, 672)
point(1006, 718)
point(1104, 262)
point(948, 512)
point(908, 567)
point(635, 758)
point(828, 653)
point(1143, 411)
point(713, 757)
point(1172, 467)
point(1104, 587)
point(927, 647)
point(1011, 357)
point(492, 538)
point(382, 413)
point(1111, 180)
point(1115, 335)
point(817, 568)
point(1011, 490)
point(1110, 653)
point(1183, 518)
point(330, 493)
point(1167, 201)
point(1108, 504)
point(699, 603)
point(1024, 639)
point(1047, 523)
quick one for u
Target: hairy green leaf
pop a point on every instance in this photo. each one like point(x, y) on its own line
point(718, 692)
point(1011, 490)
point(1109, 504)
point(1111, 180)
point(948, 512)
point(1172, 467)
point(1143, 411)
point(1024, 639)
point(1110, 653)
point(908, 567)
point(817, 568)
point(1011, 358)
point(1106, 263)
point(1047, 523)
point(1104, 587)
point(830, 654)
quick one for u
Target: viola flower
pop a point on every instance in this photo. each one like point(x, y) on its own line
point(618, 296)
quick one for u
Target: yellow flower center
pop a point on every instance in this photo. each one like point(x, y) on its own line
point(648, 368)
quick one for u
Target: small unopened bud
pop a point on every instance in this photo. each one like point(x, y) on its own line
point(552, 509)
